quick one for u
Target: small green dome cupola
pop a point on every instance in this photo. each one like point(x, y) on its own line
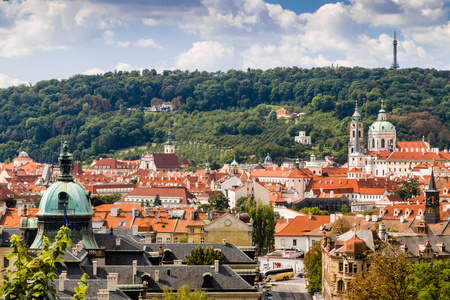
point(65, 196)
point(268, 159)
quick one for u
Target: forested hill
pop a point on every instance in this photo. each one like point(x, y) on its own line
point(219, 111)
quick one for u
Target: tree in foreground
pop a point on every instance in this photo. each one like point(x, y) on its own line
point(388, 277)
point(184, 293)
point(200, 256)
point(33, 277)
point(431, 281)
point(313, 267)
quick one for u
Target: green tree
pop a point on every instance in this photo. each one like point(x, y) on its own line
point(431, 281)
point(157, 201)
point(33, 277)
point(218, 202)
point(410, 187)
point(200, 256)
point(313, 267)
point(184, 293)
point(316, 211)
point(264, 223)
point(387, 278)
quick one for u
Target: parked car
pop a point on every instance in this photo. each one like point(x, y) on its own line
point(301, 275)
point(269, 292)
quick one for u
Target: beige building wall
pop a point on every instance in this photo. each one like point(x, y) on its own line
point(228, 227)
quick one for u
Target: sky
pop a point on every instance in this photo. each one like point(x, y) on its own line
point(46, 39)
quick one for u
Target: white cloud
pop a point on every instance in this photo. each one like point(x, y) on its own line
point(6, 81)
point(94, 71)
point(146, 43)
point(124, 67)
point(208, 55)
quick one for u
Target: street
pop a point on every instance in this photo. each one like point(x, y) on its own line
point(293, 288)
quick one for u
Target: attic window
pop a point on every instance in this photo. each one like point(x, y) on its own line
point(122, 224)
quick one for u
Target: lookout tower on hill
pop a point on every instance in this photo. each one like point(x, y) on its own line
point(395, 65)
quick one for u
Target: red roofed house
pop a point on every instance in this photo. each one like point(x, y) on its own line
point(113, 166)
point(292, 235)
point(284, 113)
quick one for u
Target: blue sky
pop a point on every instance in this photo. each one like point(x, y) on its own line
point(45, 39)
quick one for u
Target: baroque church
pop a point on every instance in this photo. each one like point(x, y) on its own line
point(384, 156)
point(164, 162)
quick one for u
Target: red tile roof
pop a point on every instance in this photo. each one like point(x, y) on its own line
point(302, 224)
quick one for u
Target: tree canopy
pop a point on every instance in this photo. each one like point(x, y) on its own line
point(106, 114)
point(200, 256)
point(409, 187)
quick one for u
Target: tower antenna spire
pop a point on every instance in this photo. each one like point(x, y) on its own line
point(395, 65)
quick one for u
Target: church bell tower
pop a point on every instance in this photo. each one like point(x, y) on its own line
point(432, 204)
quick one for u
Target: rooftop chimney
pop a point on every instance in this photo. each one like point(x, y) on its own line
point(134, 267)
point(216, 266)
point(62, 279)
point(224, 242)
point(112, 280)
point(103, 294)
point(382, 231)
point(94, 267)
point(114, 211)
point(117, 241)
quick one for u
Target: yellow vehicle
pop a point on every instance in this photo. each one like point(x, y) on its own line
point(279, 274)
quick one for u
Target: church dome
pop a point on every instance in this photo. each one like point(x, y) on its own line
point(23, 154)
point(355, 245)
point(71, 193)
point(234, 164)
point(268, 159)
point(381, 124)
point(65, 203)
point(65, 192)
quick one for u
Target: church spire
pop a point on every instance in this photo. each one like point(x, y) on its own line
point(65, 162)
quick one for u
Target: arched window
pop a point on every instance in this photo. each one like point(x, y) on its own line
point(373, 143)
point(340, 286)
point(353, 133)
point(359, 133)
point(382, 143)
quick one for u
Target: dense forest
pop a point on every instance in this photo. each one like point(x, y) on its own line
point(221, 115)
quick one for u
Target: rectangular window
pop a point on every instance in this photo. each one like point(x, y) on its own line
point(122, 224)
point(341, 267)
point(159, 240)
point(175, 240)
point(350, 267)
point(346, 268)
point(355, 268)
point(168, 239)
point(191, 230)
point(202, 240)
point(294, 242)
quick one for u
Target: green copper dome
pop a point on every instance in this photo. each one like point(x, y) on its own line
point(65, 195)
point(71, 193)
point(234, 164)
point(382, 124)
